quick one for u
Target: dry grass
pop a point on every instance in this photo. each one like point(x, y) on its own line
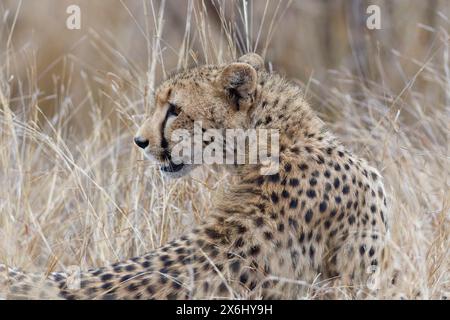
point(75, 191)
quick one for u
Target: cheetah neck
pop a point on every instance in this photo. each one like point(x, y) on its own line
point(281, 105)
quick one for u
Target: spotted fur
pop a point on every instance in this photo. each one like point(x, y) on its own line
point(323, 216)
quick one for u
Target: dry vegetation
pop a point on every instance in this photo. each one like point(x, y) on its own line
point(75, 191)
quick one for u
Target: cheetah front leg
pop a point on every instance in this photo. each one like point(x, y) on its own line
point(192, 267)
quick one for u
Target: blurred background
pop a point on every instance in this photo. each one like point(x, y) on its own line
point(76, 191)
point(303, 39)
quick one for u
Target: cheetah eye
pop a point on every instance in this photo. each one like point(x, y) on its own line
point(173, 110)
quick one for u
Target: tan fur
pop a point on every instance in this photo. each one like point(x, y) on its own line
point(322, 217)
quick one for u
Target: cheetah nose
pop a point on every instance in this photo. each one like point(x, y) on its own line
point(141, 142)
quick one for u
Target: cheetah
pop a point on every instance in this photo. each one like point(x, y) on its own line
point(322, 217)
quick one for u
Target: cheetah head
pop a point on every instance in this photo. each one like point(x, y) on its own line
point(218, 97)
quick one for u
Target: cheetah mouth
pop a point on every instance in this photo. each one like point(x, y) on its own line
point(174, 170)
point(167, 166)
point(172, 167)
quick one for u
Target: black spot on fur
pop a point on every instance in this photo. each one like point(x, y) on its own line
point(274, 178)
point(243, 278)
point(301, 238)
point(351, 219)
point(287, 167)
point(333, 213)
point(180, 250)
point(295, 150)
point(259, 221)
point(274, 197)
point(380, 193)
point(260, 180)
point(349, 204)
point(336, 183)
point(311, 193)
point(239, 242)
point(303, 166)
point(294, 182)
point(130, 267)
point(107, 286)
point(293, 204)
point(346, 189)
point(132, 287)
point(308, 216)
point(293, 223)
point(320, 159)
point(106, 277)
point(235, 266)
point(223, 288)
point(255, 250)
point(311, 252)
point(362, 250)
point(268, 235)
point(213, 234)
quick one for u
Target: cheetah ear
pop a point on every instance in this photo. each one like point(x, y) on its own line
point(253, 59)
point(239, 81)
